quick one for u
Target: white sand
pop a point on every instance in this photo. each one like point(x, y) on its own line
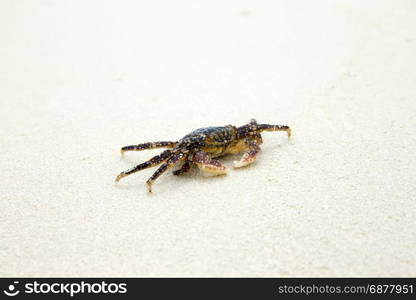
point(81, 79)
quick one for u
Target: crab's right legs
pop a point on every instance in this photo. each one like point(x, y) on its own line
point(209, 166)
point(147, 146)
point(154, 161)
point(267, 127)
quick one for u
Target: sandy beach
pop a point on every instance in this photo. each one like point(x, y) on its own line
point(81, 79)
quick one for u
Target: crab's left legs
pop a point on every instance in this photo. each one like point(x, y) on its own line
point(166, 165)
point(154, 161)
point(147, 146)
point(253, 149)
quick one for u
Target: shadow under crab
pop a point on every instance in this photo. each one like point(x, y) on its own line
point(202, 146)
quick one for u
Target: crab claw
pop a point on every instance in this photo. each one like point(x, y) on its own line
point(242, 163)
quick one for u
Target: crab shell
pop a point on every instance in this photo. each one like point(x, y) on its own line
point(216, 141)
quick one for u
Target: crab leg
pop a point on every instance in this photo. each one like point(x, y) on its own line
point(211, 167)
point(250, 155)
point(266, 127)
point(167, 165)
point(154, 161)
point(147, 146)
point(185, 168)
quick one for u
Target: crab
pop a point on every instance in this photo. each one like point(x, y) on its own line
point(201, 147)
